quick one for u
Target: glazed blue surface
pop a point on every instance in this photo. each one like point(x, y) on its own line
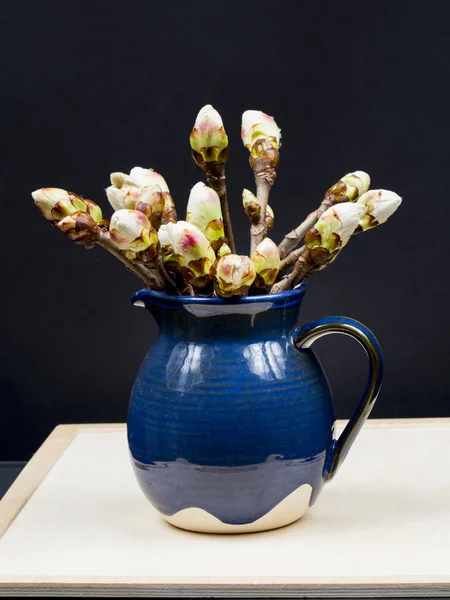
point(226, 414)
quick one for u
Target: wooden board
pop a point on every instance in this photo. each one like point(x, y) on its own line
point(75, 522)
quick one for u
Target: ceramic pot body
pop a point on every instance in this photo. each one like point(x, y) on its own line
point(230, 425)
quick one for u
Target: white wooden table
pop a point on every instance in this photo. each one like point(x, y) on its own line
point(75, 522)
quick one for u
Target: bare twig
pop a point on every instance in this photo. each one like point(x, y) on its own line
point(156, 265)
point(303, 268)
point(215, 174)
point(150, 278)
point(290, 260)
point(294, 237)
point(187, 290)
point(169, 282)
point(265, 172)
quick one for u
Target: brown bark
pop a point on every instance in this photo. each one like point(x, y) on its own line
point(265, 172)
point(149, 278)
point(187, 290)
point(215, 174)
point(290, 260)
point(303, 267)
point(168, 283)
point(294, 237)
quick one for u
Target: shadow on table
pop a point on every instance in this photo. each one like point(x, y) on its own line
point(342, 509)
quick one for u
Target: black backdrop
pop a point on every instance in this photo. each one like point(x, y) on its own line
point(94, 87)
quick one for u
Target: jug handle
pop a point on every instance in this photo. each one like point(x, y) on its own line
point(302, 338)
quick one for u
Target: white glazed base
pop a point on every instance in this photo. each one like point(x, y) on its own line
point(286, 512)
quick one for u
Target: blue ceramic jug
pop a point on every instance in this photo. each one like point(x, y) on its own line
point(231, 419)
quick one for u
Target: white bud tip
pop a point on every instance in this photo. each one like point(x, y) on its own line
point(209, 113)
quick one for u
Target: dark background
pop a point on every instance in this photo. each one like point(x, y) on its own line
point(94, 87)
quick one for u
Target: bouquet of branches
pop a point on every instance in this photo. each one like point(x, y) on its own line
point(197, 256)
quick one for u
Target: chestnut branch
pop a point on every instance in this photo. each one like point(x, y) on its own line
point(198, 255)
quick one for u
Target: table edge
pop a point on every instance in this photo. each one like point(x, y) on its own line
point(34, 472)
point(229, 587)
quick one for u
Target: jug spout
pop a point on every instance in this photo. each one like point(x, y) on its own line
point(195, 317)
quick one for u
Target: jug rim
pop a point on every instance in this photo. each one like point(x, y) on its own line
point(146, 297)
